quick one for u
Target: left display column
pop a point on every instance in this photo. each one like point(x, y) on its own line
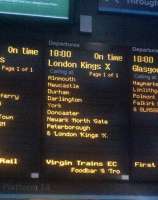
point(20, 110)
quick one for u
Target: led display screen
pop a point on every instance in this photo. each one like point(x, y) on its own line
point(20, 74)
point(143, 7)
point(144, 83)
point(84, 123)
point(55, 9)
point(73, 110)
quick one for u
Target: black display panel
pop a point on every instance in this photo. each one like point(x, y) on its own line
point(86, 112)
point(144, 85)
point(20, 109)
point(71, 110)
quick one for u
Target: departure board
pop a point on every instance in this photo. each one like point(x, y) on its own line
point(79, 111)
point(144, 84)
point(20, 72)
point(86, 112)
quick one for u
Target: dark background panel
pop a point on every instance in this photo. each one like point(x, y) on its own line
point(108, 28)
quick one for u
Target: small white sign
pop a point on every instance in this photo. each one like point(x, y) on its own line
point(85, 24)
point(34, 175)
point(125, 177)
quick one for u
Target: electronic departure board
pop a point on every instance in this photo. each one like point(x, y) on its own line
point(20, 73)
point(144, 86)
point(86, 128)
point(72, 110)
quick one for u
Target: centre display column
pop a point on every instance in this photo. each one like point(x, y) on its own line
point(86, 123)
